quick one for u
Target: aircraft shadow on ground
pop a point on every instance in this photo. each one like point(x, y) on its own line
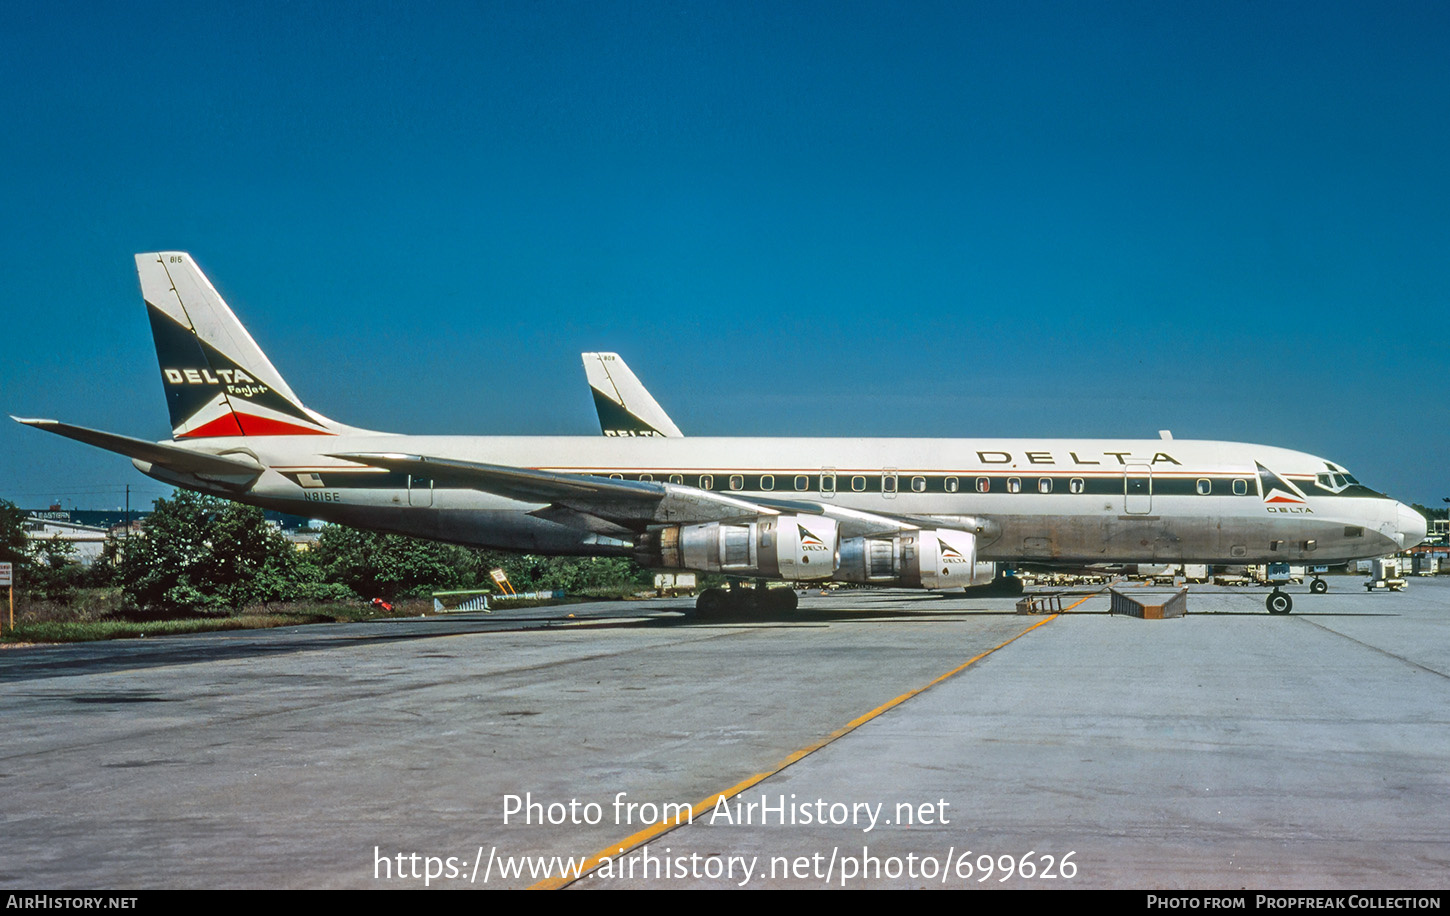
point(39, 663)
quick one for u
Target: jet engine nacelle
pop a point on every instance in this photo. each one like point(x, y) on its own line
point(929, 558)
point(793, 547)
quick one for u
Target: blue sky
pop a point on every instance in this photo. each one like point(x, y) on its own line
point(949, 219)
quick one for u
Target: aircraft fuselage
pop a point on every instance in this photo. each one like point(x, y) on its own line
point(1057, 501)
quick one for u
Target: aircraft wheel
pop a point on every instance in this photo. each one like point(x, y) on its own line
point(1318, 586)
point(1278, 602)
point(1003, 586)
point(742, 600)
point(781, 599)
point(712, 601)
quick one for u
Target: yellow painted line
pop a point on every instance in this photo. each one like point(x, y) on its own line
point(635, 840)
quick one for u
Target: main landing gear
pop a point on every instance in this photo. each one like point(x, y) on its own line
point(736, 600)
point(1279, 602)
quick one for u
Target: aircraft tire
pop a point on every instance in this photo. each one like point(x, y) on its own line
point(1278, 602)
point(1318, 586)
point(741, 600)
point(781, 599)
point(712, 602)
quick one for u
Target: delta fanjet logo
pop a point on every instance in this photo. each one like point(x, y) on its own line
point(202, 385)
point(1280, 494)
point(236, 380)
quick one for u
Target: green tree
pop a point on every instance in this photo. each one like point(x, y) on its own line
point(572, 574)
point(389, 565)
point(13, 543)
point(45, 567)
point(102, 573)
point(53, 572)
point(203, 553)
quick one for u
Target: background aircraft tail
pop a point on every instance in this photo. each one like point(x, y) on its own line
point(625, 407)
point(218, 382)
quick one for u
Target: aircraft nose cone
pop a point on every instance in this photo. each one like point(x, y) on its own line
point(1411, 525)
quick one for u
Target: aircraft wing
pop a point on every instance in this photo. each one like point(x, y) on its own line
point(630, 504)
point(620, 501)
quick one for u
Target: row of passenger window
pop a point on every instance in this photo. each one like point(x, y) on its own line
point(860, 483)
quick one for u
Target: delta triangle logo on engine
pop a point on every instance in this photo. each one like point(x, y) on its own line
point(809, 541)
point(950, 554)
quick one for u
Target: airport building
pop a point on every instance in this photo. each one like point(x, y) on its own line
point(87, 530)
point(89, 541)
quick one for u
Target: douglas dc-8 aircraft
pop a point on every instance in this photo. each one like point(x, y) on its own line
point(626, 408)
point(924, 513)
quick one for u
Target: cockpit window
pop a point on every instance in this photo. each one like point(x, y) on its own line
point(1335, 479)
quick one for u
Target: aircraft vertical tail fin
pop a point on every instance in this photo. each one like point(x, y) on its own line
point(218, 382)
point(625, 407)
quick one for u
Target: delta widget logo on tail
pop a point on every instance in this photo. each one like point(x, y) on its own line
point(205, 386)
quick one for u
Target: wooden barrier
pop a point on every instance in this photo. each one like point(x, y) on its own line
point(1152, 606)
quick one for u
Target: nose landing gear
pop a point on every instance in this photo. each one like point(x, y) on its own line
point(1278, 602)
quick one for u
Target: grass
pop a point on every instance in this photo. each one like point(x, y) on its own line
point(97, 614)
point(89, 621)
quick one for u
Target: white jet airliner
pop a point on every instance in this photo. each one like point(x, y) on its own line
point(925, 513)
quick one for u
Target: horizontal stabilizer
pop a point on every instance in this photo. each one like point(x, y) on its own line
point(172, 457)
